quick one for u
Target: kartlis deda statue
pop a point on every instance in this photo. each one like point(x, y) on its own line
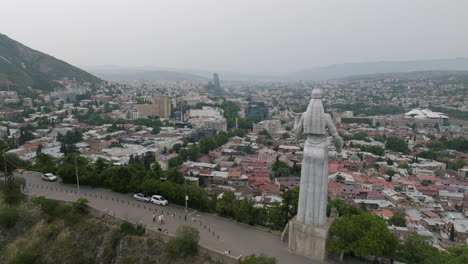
point(315, 123)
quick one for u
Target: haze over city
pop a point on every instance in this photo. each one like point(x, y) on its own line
point(234, 132)
point(243, 36)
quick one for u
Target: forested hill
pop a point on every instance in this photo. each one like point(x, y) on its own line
point(21, 66)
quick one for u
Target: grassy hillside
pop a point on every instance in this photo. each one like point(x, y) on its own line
point(23, 66)
point(44, 231)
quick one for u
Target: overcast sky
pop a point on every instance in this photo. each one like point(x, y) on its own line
point(238, 35)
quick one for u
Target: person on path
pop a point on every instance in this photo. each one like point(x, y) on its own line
point(154, 217)
point(162, 219)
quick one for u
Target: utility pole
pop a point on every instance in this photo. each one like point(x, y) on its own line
point(186, 198)
point(8, 175)
point(77, 178)
point(4, 166)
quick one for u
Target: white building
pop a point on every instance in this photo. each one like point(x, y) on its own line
point(207, 117)
point(272, 126)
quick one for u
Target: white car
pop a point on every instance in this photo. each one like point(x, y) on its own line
point(49, 177)
point(159, 200)
point(141, 197)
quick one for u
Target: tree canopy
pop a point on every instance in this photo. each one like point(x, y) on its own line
point(362, 234)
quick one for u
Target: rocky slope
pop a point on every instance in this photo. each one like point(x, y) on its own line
point(35, 238)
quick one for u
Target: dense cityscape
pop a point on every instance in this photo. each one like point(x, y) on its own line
point(359, 162)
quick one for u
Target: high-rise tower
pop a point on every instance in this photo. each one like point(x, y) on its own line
point(218, 91)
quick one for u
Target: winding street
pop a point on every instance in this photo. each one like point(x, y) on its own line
point(216, 232)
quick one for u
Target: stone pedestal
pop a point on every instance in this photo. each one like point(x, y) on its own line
point(308, 240)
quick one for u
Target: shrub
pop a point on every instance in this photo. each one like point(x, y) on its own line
point(81, 206)
point(132, 230)
point(49, 208)
point(31, 255)
point(260, 259)
point(8, 217)
point(14, 195)
point(185, 242)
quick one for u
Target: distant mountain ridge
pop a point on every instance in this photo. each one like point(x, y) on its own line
point(22, 66)
point(115, 73)
point(337, 71)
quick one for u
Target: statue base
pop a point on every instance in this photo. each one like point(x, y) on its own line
point(308, 240)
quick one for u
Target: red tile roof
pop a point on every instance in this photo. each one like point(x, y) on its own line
point(430, 214)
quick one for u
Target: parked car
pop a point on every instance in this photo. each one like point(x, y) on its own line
point(159, 200)
point(141, 197)
point(49, 177)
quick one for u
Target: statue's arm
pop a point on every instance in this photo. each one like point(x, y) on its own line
point(337, 140)
point(298, 125)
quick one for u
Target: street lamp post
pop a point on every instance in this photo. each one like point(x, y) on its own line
point(186, 198)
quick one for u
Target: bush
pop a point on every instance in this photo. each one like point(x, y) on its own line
point(49, 208)
point(14, 195)
point(132, 230)
point(30, 255)
point(81, 206)
point(185, 242)
point(52, 209)
point(261, 259)
point(8, 217)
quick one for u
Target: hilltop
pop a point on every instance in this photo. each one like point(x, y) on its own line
point(22, 66)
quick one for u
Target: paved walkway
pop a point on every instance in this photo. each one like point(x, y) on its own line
point(217, 233)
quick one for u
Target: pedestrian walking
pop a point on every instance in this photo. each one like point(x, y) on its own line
point(154, 217)
point(161, 219)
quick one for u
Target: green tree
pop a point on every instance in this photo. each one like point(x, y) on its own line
point(264, 132)
point(452, 233)
point(458, 164)
point(363, 234)
point(101, 164)
point(397, 144)
point(185, 242)
point(390, 172)
point(66, 171)
point(416, 250)
point(177, 147)
point(428, 154)
point(279, 214)
point(45, 163)
point(156, 168)
point(457, 255)
point(403, 165)
point(119, 178)
point(225, 205)
point(260, 259)
point(397, 220)
point(39, 149)
point(207, 144)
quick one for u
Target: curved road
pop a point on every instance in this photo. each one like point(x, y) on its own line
point(217, 233)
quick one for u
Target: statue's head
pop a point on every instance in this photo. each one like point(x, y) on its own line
point(317, 93)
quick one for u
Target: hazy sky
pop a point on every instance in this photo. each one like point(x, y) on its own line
point(238, 35)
